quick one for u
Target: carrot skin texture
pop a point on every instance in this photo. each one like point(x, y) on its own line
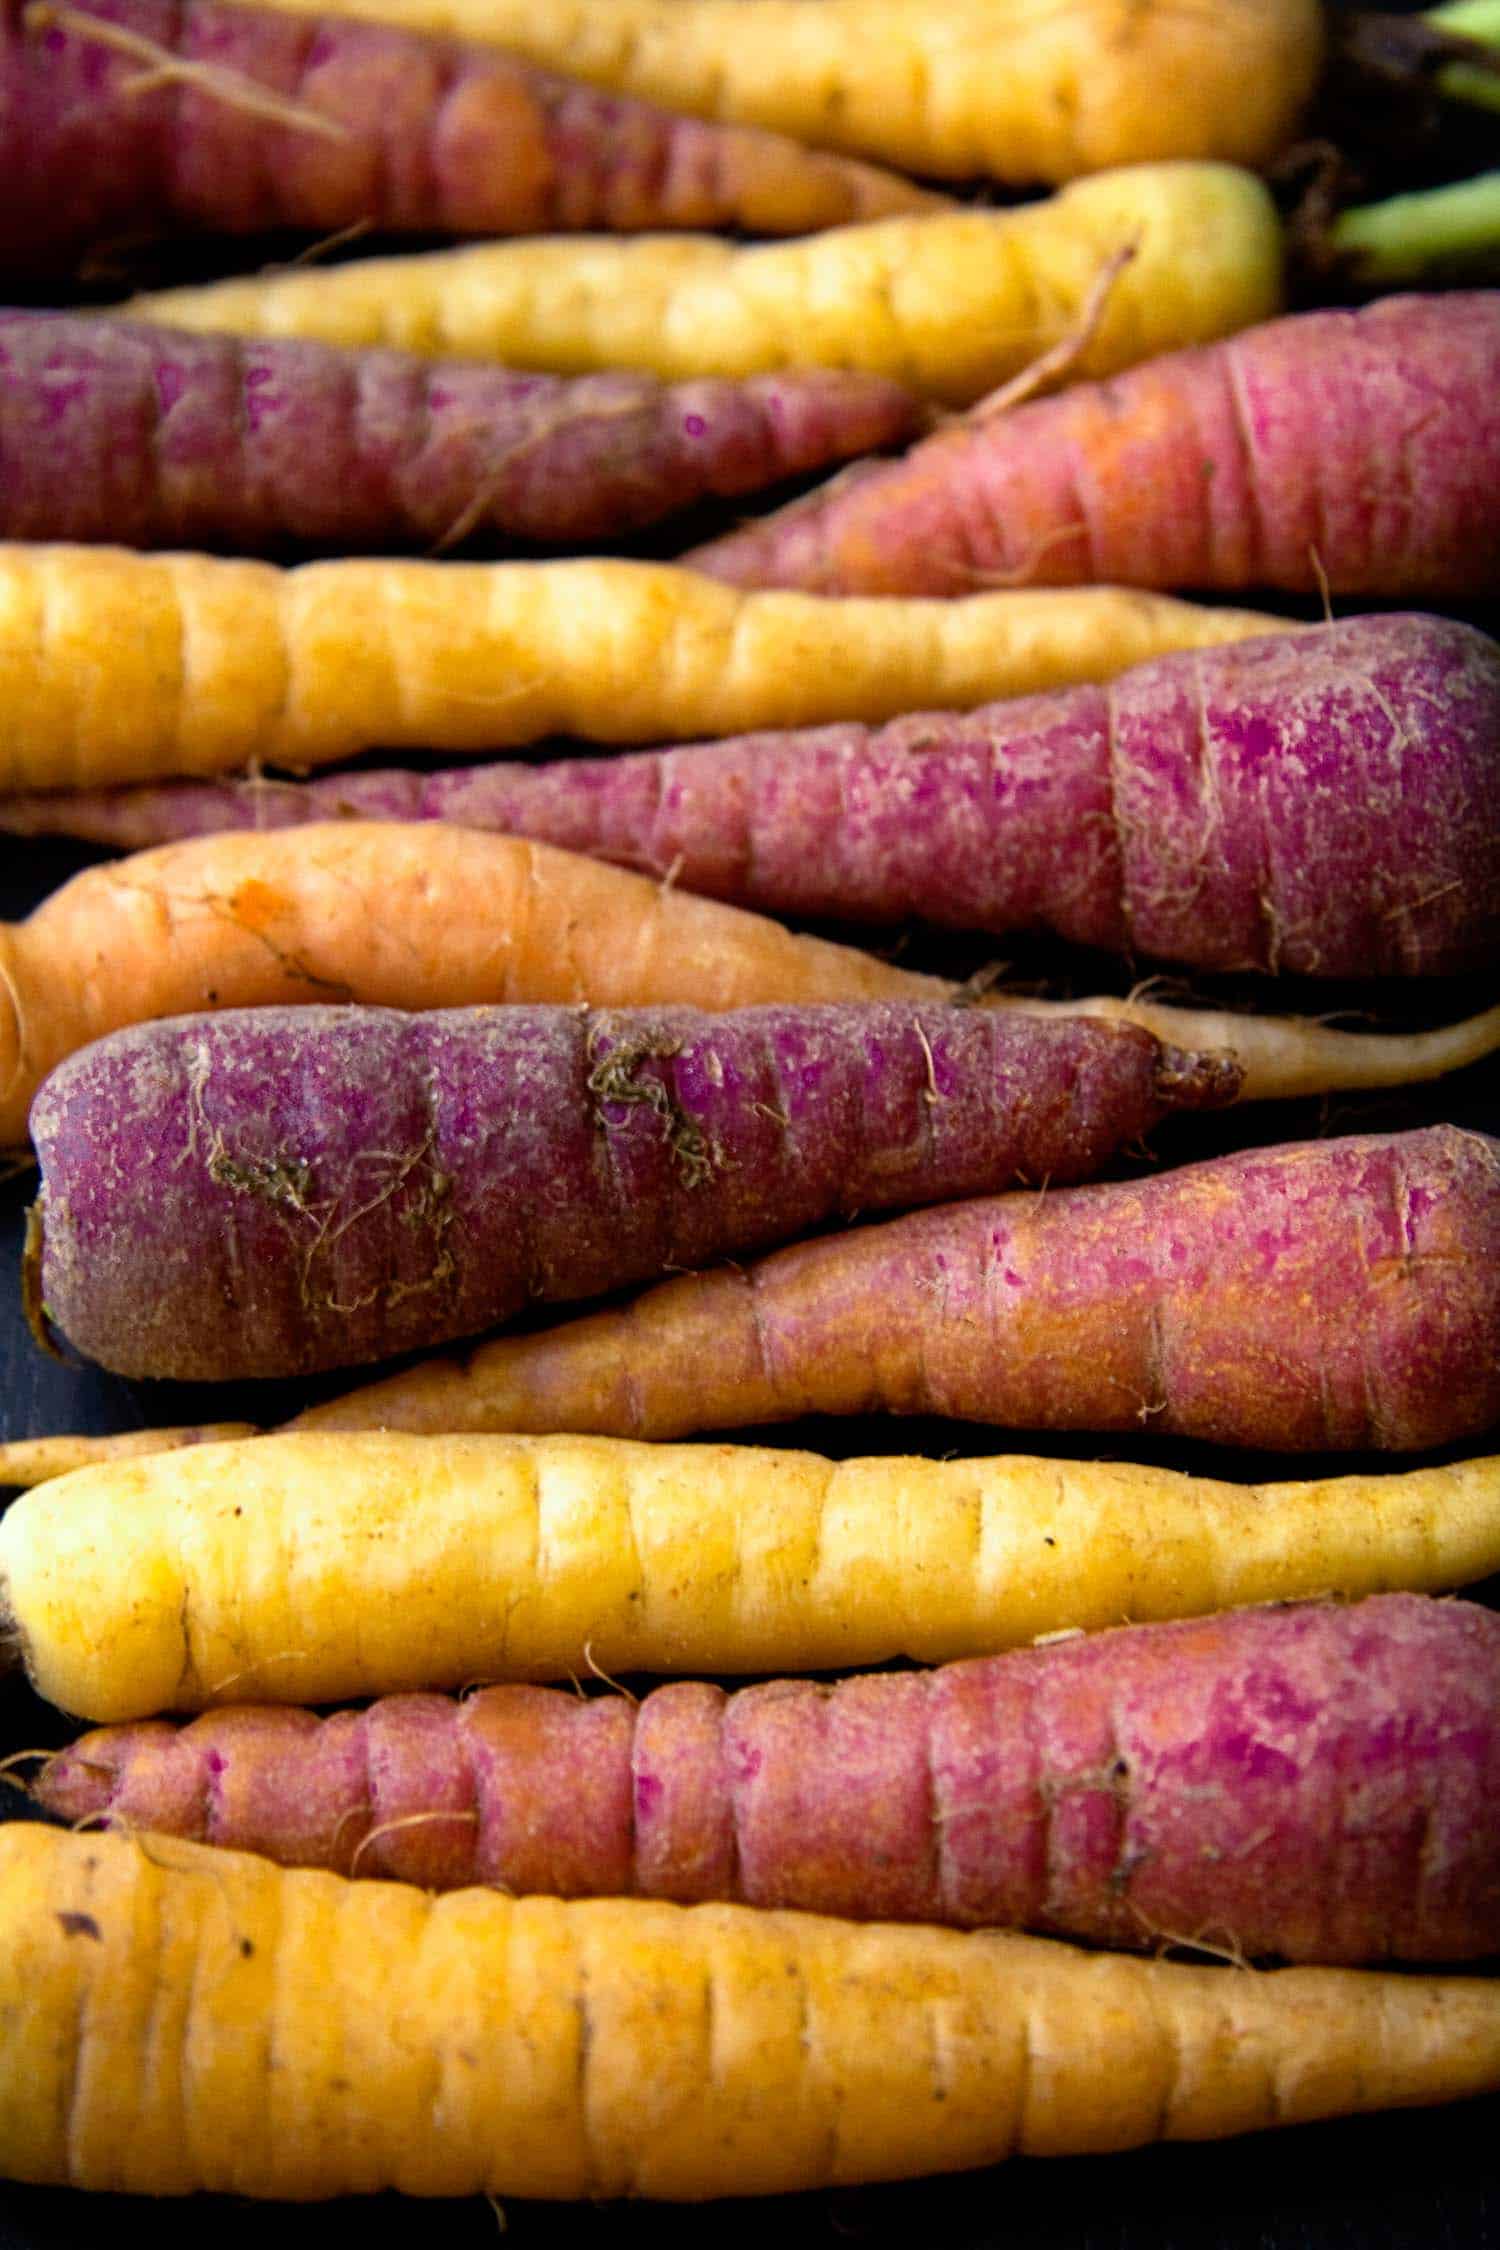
point(1318, 1296)
point(231, 1571)
point(613, 2047)
point(391, 128)
point(1364, 445)
point(1265, 1778)
point(1225, 807)
point(113, 432)
point(276, 1191)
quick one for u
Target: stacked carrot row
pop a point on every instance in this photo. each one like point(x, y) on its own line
point(339, 1066)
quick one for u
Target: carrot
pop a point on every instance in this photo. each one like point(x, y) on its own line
point(244, 2042)
point(114, 432)
point(1168, 813)
point(1319, 1296)
point(430, 916)
point(123, 667)
point(291, 1189)
point(244, 1561)
point(232, 1570)
point(949, 303)
point(1360, 450)
point(1310, 1783)
point(129, 117)
point(1008, 89)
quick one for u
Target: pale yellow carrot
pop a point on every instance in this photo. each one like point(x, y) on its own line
point(176, 2018)
point(950, 304)
point(313, 1567)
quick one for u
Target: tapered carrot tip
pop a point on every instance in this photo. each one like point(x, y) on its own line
point(28, 1461)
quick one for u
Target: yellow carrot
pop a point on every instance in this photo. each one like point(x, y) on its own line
point(309, 1568)
point(950, 304)
point(175, 2018)
point(117, 666)
point(1021, 90)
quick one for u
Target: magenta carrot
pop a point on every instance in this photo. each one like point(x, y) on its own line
point(276, 1190)
point(124, 116)
point(1229, 807)
point(1310, 1782)
point(149, 437)
point(1320, 1296)
point(1356, 449)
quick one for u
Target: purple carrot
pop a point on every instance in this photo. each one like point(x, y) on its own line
point(276, 1190)
point(151, 438)
point(130, 116)
point(1360, 450)
point(1311, 1782)
point(1231, 807)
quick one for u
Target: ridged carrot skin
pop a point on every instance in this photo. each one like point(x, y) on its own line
point(125, 667)
point(151, 438)
point(1309, 1783)
point(1357, 450)
point(1226, 807)
point(950, 303)
point(229, 2027)
point(274, 1191)
point(231, 1571)
point(1012, 89)
point(131, 116)
point(1321, 1296)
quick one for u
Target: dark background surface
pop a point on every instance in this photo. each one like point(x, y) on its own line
point(1419, 2178)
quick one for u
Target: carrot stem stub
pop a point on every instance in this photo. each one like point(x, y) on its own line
point(1119, 1788)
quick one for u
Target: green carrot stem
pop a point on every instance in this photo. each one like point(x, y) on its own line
point(1469, 19)
point(1471, 82)
point(1386, 245)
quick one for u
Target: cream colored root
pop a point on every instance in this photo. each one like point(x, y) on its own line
point(1286, 1057)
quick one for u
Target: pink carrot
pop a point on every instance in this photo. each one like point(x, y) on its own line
point(1227, 807)
point(1312, 1782)
point(1356, 449)
point(150, 438)
point(130, 116)
point(1317, 1297)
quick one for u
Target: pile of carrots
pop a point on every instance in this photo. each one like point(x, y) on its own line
point(1168, 1784)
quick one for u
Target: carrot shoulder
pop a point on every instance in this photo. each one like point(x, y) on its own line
point(230, 2028)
